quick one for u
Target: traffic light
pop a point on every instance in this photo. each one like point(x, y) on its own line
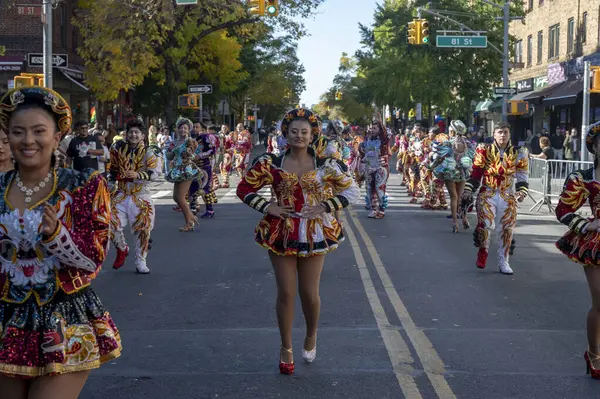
point(411, 33)
point(256, 7)
point(338, 95)
point(272, 8)
point(595, 78)
point(21, 81)
point(423, 32)
point(184, 101)
point(193, 100)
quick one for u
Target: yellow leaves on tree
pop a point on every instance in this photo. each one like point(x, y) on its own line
point(2, 50)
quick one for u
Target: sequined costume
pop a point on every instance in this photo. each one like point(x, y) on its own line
point(182, 156)
point(132, 200)
point(51, 321)
point(494, 174)
point(578, 244)
point(204, 156)
point(242, 150)
point(400, 147)
point(280, 145)
point(374, 156)
point(227, 164)
point(295, 236)
point(412, 161)
point(327, 148)
point(453, 159)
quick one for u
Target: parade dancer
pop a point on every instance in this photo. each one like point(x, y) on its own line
point(374, 155)
point(425, 171)
point(454, 160)
point(581, 243)
point(133, 167)
point(495, 169)
point(242, 150)
point(54, 229)
point(327, 145)
point(298, 229)
point(183, 170)
point(228, 158)
point(207, 147)
point(413, 161)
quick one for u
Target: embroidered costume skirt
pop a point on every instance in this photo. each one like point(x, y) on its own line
point(581, 248)
point(68, 334)
point(299, 237)
point(180, 173)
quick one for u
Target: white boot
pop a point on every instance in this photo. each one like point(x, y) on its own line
point(505, 268)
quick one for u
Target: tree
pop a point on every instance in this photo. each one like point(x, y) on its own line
point(128, 41)
point(2, 50)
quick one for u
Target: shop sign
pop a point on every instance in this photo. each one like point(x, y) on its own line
point(575, 66)
point(11, 64)
point(525, 85)
point(540, 82)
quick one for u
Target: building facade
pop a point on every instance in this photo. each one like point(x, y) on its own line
point(552, 44)
point(21, 33)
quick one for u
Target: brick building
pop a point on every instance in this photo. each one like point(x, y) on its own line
point(557, 36)
point(21, 33)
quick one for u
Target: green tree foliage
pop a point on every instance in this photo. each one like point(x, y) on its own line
point(2, 50)
point(390, 72)
point(129, 42)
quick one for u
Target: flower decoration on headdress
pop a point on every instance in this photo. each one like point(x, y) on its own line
point(298, 114)
point(184, 121)
point(591, 135)
point(458, 126)
point(43, 97)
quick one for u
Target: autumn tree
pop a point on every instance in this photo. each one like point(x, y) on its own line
point(2, 50)
point(128, 41)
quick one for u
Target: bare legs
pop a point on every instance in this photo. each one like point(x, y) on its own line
point(455, 190)
point(593, 318)
point(180, 190)
point(304, 273)
point(65, 386)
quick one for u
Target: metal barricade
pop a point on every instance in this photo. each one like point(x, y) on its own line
point(547, 177)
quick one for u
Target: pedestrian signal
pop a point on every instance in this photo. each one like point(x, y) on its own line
point(272, 8)
point(256, 7)
point(411, 33)
point(595, 79)
point(424, 32)
point(21, 81)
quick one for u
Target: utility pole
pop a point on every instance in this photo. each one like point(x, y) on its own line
point(47, 37)
point(585, 116)
point(505, 83)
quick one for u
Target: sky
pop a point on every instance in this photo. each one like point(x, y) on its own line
point(333, 31)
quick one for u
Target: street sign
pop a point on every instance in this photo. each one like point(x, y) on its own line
point(461, 41)
point(505, 90)
point(200, 89)
point(186, 2)
point(34, 11)
point(37, 60)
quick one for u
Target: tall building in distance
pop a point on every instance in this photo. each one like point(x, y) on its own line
point(552, 43)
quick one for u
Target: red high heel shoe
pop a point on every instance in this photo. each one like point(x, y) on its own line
point(286, 368)
point(589, 358)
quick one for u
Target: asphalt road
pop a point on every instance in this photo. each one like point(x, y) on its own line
point(405, 313)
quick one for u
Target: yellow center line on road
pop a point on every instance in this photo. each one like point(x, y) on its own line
point(397, 349)
point(432, 363)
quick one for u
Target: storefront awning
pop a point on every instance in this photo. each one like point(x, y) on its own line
point(537, 96)
point(483, 106)
point(565, 93)
point(496, 106)
point(67, 74)
point(519, 96)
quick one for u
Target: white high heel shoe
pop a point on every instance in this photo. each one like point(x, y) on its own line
point(311, 355)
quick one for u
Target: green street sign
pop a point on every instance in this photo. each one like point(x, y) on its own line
point(186, 2)
point(461, 41)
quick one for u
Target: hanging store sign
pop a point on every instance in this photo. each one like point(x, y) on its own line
point(540, 82)
point(10, 63)
point(525, 85)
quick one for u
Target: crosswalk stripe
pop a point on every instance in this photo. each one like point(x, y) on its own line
point(161, 194)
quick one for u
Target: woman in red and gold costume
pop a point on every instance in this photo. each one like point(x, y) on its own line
point(299, 228)
point(227, 164)
point(242, 149)
point(54, 228)
point(581, 243)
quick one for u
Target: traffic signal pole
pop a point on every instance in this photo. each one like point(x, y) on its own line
point(585, 117)
point(47, 38)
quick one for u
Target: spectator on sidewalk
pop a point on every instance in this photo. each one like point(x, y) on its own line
point(571, 145)
point(84, 149)
point(557, 139)
point(547, 154)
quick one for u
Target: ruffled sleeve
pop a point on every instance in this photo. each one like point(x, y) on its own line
point(478, 169)
point(259, 176)
point(522, 172)
point(84, 245)
point(573, 196)
point(345, 190)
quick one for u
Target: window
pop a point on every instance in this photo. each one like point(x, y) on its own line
point(584, 27)
point(519, 51)
point(554, 41)
point(541, 2)
point(63, 26)
point(529, 50)
point(540, 46)
point(570, 35)
point(530, 5)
